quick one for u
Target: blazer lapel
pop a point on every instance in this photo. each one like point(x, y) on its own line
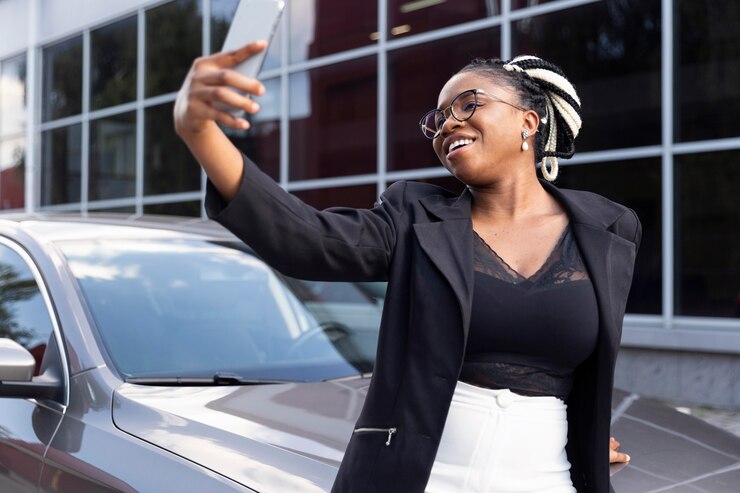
point(449, 244)
point(608, 259)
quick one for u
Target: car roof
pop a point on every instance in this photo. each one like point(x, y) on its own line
point(62, 226)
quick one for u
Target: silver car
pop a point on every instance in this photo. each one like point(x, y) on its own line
point(159, 355)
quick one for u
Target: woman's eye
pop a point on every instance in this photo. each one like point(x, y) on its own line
point(469, 106)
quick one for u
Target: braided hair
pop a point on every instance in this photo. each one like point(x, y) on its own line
point(543, 87)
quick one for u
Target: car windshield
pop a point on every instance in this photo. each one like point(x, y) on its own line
point(192, 308)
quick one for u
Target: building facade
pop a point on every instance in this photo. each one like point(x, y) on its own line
point(87, 89)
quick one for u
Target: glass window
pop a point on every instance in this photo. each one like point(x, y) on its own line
point(13, 96)
point(23, 313)
point(113, 64)
point(169, 167)
point(262, 141)
point(173, 40)
point(113, 157)
point(61, 159)
point(415, 77)
point(193, 308)
point(129, 209)
point(707, 234)
point(61, 93)
point(333, 120)
point(413, 17)
point(189, 209)
point(520, 4)
point(358, 196)
point(222, 13)
point(707, 70)
point(12, 173)
point(322, 27)
point(635, 183)
point(610, 50)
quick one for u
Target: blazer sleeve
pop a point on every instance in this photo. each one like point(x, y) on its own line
point(336, 244)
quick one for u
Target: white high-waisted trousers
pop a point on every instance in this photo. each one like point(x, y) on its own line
point(497, 441)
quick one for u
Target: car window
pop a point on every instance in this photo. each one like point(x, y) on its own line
point(190, 308)
point(23, 314)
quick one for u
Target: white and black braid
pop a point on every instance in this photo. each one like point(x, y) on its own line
point(563, 105)
point(543, 87)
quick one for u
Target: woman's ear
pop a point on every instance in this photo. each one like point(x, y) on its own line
point(531, 121)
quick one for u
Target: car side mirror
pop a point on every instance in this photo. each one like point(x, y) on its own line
point(16, 374)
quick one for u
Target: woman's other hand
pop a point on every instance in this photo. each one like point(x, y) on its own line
point(614, 454)
point(209, 83)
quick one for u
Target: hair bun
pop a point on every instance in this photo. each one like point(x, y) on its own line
point(563, 108)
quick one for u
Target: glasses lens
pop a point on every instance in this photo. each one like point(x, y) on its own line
point(430, 123)
point(464, 105)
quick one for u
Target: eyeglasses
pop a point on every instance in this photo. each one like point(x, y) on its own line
point(461, 109)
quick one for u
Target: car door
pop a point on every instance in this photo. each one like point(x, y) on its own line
point(26, 425)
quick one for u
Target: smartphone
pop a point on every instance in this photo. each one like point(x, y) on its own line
point(253, 20)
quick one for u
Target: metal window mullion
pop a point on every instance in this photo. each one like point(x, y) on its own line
point(111, 203)
point(382, 103)
point(112, 110)
point(140, 65)
point(85, 150)
point(167, 198)
point(546, 8)
point(727, 144)
point(206, 49)
point(284, 98)
point(61, 122)
point(337, 181)
point(667, 160)
point(505, 29)
point(32, 176)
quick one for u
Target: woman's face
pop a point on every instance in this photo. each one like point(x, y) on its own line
point(494, 129)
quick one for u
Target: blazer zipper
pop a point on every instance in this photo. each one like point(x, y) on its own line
point(390, 431)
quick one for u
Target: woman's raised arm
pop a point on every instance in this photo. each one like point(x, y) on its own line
point(209, 81)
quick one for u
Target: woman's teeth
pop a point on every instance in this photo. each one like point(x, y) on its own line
point(459, 143)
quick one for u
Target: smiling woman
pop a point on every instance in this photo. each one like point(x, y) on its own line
point(515, 369)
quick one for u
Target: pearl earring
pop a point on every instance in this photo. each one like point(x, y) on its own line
point(525, 146)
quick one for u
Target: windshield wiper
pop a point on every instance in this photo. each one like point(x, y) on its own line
point(217, 379)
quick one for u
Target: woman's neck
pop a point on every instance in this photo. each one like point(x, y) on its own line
point(510, 198)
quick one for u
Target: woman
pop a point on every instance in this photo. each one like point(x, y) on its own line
point(491, 374)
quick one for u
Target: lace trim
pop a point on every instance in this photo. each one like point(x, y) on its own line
point(564, 264)
point(523, 380)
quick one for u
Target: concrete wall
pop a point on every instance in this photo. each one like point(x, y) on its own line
point(683, 377)
point(13, 27)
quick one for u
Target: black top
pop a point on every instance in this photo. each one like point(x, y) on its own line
point(529, 334)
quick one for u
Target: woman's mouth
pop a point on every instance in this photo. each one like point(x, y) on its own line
point(457, 146)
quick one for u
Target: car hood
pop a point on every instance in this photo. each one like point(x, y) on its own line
point(271, 438)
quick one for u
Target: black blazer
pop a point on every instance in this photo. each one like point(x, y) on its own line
point(419, 238)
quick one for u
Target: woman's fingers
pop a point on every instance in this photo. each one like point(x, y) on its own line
point(234, 57)
point(223, 117)
point(221, 94)
point(614, 454)
point(211, 81)
point(228, 77)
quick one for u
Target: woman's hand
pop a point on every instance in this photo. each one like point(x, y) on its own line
point(209, 82)
point(614, 454)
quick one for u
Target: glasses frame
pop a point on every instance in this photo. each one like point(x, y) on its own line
point(476, 104)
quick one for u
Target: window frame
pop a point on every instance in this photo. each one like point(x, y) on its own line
point(26, 257)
